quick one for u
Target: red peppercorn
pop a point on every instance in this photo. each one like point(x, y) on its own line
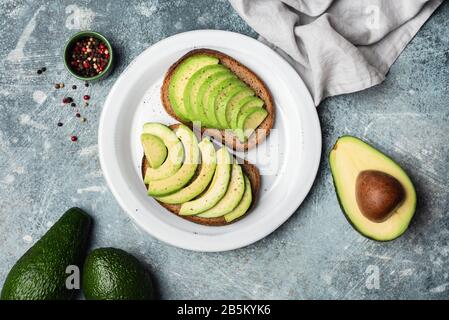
point(78, 115)
point(86, 97)
point(74, 138)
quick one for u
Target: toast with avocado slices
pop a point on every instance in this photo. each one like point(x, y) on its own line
point(232, 104)
point(196, 181)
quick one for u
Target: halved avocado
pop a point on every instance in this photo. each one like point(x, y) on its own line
point(154, 149)
point(200, 183)
point(243, 205)
point(221, 100)
point(175, 154)
point(185, 173)
point(236, 102)
point(232, 196)
point(193, 87)
point(249, 120)
point(217, 188)
point(205, 87)
point(180, 78)
point(351, 156)
point(211, 93)
point(252, 102)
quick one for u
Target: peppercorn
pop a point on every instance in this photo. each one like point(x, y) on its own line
point(74, 87)
point(74, 138)
point(86, 97)
point(60, 124)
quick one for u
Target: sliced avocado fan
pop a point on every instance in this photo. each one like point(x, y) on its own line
point(175, 154)
point(200, 183)
point(181, 177)
point(217, 188)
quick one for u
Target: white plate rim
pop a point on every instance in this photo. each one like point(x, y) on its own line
point(207, 243)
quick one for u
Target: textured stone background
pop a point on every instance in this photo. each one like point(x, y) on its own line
point(316, 254)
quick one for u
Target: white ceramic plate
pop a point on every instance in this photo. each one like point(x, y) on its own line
point(288, 168)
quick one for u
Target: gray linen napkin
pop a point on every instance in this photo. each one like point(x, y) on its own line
point(337, 46)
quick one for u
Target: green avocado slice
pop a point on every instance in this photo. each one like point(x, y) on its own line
point(210, 93)
point(348, 158)
point(175, 153)
point(180, 78)
point(200, 183)
point(243, 205)
point(204, 90)
point(193, 87)
point(236, 102)
point(222, 100)
point(249, 120)
point(232, 196)
point(217, 188)
point(248, 103)
point(154, 149)
point(185, 173)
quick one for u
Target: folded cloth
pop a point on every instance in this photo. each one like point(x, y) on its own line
point(337, 46)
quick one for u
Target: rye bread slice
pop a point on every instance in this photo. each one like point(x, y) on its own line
point(249, 169)
point(244, 74)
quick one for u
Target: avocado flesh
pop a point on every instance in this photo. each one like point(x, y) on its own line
point(243, 205)
point(192, 89)
point(348, 158)
point(154, 149)
point(223, 96)
point(249, 120)
point(209, 97)
point(236, 102)
point(232, 197)
point(40, 274)
point(185, 173)
point(200, 183)
point(197, 102)
point(114, 274)
point(251, 102)
point(217, 188)
point(180, 78)
point(175, 153)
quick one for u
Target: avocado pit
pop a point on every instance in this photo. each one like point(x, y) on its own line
point(378, 194)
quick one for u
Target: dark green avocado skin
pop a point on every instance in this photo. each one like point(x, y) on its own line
point(40, 274)
point(113, 274)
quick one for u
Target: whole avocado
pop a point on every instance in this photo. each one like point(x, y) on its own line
point(113, 274)
point(40, 274)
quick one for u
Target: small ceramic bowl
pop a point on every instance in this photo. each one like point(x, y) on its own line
point(69, 45)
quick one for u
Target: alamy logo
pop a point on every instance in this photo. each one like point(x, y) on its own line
point(72, 282)
point(373, 279)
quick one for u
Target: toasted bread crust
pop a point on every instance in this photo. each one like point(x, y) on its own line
point(247, 76)
point(249, 169)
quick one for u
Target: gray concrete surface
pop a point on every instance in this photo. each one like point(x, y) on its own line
point(316, 254)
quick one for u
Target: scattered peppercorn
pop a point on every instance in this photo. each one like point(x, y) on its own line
point(61, 85)
point(67, 100)
point(89, 57)
point(74, 138)
point(39, 71)
point(86, 97)
point(74, 87)
point(73, 104)
point(83, 119)
point(44, 69)
point(86, 104)
point(86, 84)
point(60, 124)
point(57, 86)
point(78, 115)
